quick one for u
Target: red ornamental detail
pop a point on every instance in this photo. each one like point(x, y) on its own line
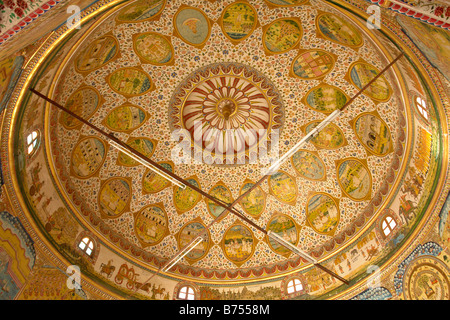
point(227, 110)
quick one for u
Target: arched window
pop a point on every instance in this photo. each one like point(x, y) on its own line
point(87, 246)
point(421, 106)
point(186, 293)
point(32, 142)
point(388, 225)
point(294, 286)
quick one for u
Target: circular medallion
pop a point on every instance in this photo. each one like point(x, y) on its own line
point(338, 30)
point(285, 227)
point(87, 157)
point(362, 73)
point(238, 244)
point(113, 197)
point(309, 165)
point(322, 213)
point(282, 35)
point(373, 133)
point(325, 98)
point(189, 233)
point(153, 48)
point(426, 278)
point(354, 178)
point(125, 118)
point(140, 11)
point(238, 21)
point(150, 224)
point(312, 64)
point(97, 54)
point(84, 102)
point(228, 109)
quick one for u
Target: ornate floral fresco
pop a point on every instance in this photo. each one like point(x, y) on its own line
point(155, 66)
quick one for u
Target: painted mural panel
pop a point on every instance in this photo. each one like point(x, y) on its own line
point(331, 137)
point(192, 25)
point(282, 35)
point(253, 203)
point(125, 118)
point(84, 102)
point(222, 193)
point(312, 64)
point(309, 165)
point(325, 98)
point(87, 157)
point(354, 178)
point(373, 133)
point(10, 70)
point(238, 244)
point(130, 81)
point(283, 187)
point(362, 73)
point(17, 256)
point(141, 10)
point(98, 53)
point(142, 145)
point(322, 213)
point(150, 224)
point(153, 48)
point(153, 182)
point(285, 227)
point(114, 196)
point(239, 19)
point(186, 199)
point(188, 233)
point(434, 42)
point(338, 30)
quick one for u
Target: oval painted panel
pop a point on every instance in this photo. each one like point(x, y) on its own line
point(373, 133)
point(285, 227)
point(185, 200)
point(153, 182)
point(283, 187)
point(141, 10)
point(238, 244)
point(286, 3)
point(355, 179)
point(192, 25)
point(153, 48)
point(83, 102)
point(254, 203)
point(330, 137)
point(114, 197)
point(142, 145)
point(150, 225)
point(326, 99)
point(187, 234)
point(362, 73)
point(338, 30)
point(312, 64)
point(125, 118)
point(87, 157)
point(97, 54)
point(308, 165)
point(130, 81)
point(222, 193)
point(282, 35)
point(239, 20)
point(322, 213)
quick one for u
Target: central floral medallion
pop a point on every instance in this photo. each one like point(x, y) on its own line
point(230, 111)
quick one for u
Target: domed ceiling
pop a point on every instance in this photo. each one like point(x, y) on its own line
point(213, 91)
